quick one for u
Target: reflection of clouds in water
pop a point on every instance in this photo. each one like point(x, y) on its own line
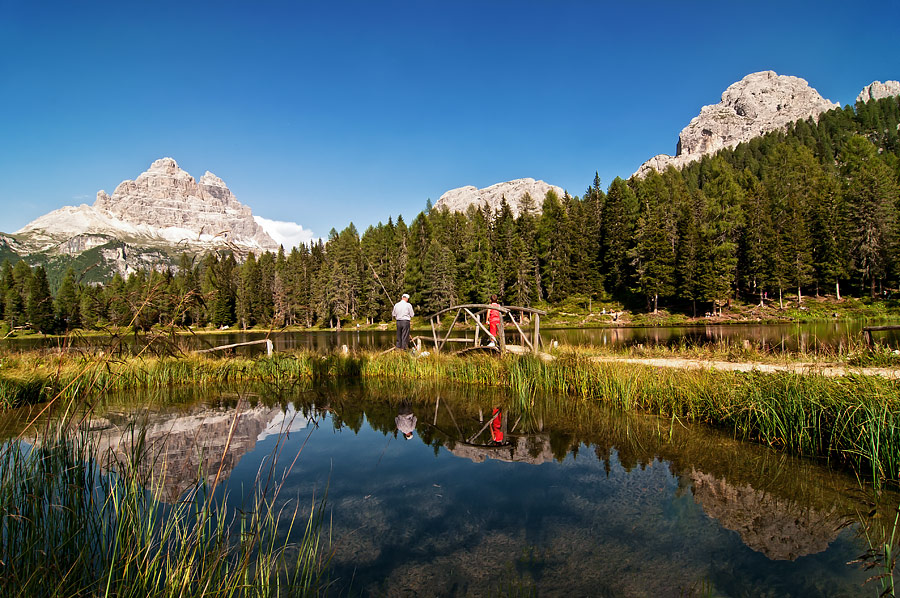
point(572, 536)
point(284, 423)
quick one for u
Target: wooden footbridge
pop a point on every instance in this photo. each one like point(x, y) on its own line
point(521, 318)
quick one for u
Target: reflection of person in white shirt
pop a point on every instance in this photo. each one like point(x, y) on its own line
point(405, 420)
point(403, 312)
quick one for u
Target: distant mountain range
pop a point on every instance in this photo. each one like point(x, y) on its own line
point(148, 222)
point(145, 223)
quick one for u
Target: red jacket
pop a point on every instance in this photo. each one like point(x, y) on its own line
point(494, 315)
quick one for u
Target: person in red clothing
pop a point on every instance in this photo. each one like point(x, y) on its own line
point(497, 426)
point(493, 317)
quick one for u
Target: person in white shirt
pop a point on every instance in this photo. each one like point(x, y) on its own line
point(403, 313)
point(405, 420)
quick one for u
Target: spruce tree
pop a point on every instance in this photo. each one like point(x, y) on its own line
point(39, 305)
point(554, 248)
point(653, 256)
point(719, 232)
point(872, 194)
point(67, 303)
point(617, 222)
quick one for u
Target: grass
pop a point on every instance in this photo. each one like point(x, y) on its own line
point(852, 420)
point(73, 524)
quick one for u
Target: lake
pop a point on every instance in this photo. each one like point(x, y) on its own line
point(494, 494)
point(830, 335)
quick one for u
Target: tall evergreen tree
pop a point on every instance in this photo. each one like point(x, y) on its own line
point(719, 232)
point(68, 312)
point(39, 305)
point(617, 230)
point(872, 194)
point(653, 256)
point(554, 248)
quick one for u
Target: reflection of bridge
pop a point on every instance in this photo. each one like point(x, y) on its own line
point(475, 311)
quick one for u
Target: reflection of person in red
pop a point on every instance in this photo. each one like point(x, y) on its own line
point(496, 426)
point(493, 317)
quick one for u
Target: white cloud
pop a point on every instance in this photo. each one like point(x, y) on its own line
point(289, 234)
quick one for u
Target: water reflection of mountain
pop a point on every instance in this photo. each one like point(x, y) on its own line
point(179, 448)
point(533, 449)
point(782, 507)
point(779, 528)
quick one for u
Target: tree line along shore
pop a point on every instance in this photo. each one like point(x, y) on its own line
point(809, 211)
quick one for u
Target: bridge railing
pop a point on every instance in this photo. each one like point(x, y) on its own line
point(475, 311)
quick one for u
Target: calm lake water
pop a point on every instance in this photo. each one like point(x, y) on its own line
point(774, 337)
point(487, 498)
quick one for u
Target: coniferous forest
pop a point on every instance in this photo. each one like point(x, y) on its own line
point(812, 210)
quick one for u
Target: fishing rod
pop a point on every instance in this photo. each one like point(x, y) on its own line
point(378, 278)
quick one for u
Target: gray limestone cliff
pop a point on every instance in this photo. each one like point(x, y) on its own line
point(164, 206)
point(459, 200)
point(878, 90)
point(755, 105)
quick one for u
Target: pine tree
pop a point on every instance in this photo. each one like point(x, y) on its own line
point(554, 248)
point(872, 194)
point(249, 286)
point(756, 239)
point(719, 232)
point(440, 278)
point(117, 307)
point(67, 303)
point(417, 242)
point(688, 254)
point(39, 306)
point(477, 279)
point(794, 181)
point(219, 284)
point(653, 256)
point(619, 216)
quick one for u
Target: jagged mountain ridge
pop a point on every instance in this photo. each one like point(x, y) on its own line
point(163, 207)
point(757, 104)
point(459, 199)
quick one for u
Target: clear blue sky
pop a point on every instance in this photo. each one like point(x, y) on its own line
point(324, 113)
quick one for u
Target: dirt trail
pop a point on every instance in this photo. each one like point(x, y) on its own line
point(822, 369)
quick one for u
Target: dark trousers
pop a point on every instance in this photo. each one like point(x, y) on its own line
point(402, 334)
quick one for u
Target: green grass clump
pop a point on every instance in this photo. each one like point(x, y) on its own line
point(73, 525)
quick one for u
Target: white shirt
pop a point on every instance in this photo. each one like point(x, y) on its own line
point(402, 310)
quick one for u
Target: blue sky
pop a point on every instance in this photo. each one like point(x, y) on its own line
point(323, 113)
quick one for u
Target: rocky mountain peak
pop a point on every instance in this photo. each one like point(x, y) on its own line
point(755, 105)
point(459, 199)
point(876, 90)
point(163, 205)
point(211, 180)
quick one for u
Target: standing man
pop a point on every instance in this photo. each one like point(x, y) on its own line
point(403, 313)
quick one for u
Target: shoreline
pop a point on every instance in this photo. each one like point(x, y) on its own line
point(853, 419)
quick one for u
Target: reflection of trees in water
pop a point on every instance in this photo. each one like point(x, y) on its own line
point(781, 506)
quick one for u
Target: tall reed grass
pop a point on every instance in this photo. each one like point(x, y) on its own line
point(72, 526)
point(854, 420)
